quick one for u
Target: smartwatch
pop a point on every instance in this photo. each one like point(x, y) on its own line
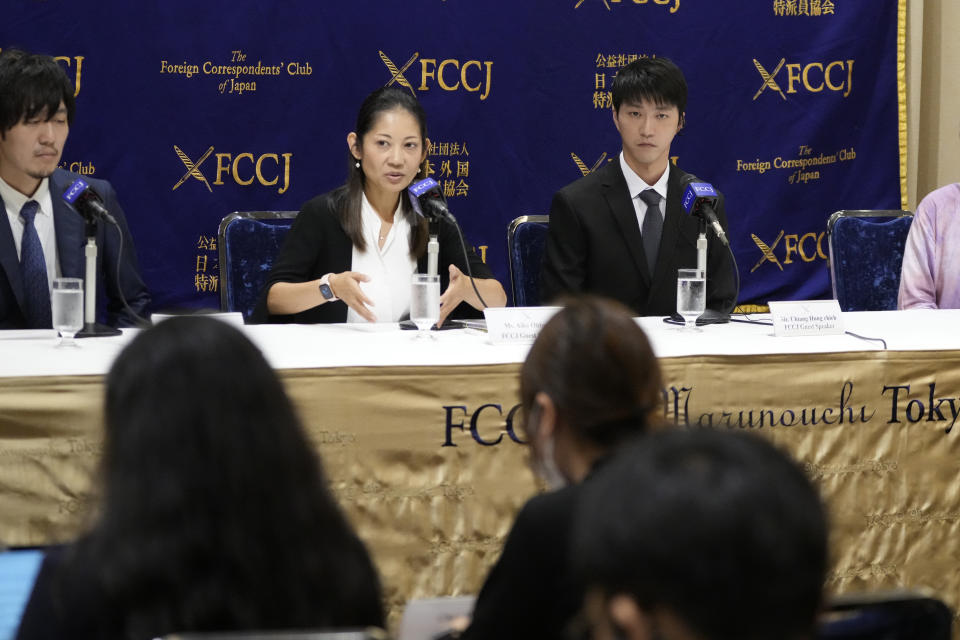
point(325, 289)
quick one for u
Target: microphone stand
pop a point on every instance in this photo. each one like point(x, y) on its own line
point(433, 248)
point(92, 328)
point(702, 248)
point(709, 316)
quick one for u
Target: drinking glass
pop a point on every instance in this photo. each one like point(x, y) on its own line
point(691, 296)
point(424, 303)
point(66, 305)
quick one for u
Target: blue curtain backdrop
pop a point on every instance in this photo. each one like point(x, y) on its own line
point(793, 111)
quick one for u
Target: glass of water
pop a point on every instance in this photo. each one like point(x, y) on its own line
point(66, 305)
point(424, 303)
point(691, 296)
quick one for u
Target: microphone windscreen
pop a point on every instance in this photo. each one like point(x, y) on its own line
point(75, 189)
point(421, 187)
point(695, 193)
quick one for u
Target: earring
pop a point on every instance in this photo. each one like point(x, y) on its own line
point(357, 164)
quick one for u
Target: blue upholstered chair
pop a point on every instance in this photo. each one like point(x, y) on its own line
point(249, 243)
point(526, 237)
point(866, 254)
point(895, 615)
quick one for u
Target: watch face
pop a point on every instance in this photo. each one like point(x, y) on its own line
point(326, 291)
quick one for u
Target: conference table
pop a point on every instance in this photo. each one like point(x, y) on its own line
point(421, 440)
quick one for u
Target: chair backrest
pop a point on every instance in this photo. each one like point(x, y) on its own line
point(894, 615)
point(526, 238)
point(249, 242)
point(866, 254)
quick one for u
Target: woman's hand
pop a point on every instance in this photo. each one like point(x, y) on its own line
point(455, 294)
point(346, 286)
point(460, 290)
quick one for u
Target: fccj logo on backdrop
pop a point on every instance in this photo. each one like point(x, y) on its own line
point(449, 74)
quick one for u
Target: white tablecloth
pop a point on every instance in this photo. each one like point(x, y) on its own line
point(32, 353)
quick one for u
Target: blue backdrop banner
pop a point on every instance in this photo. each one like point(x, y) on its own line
point(194, 110)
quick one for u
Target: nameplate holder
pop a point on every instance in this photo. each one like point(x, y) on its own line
point(806, 318)
point(516, 325)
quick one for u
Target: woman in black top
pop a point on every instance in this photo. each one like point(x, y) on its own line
point(351, 252)
point(590, 383)
point(214, 515)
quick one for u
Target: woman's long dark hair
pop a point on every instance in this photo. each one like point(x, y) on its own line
point(378, 102)
point(215, 513)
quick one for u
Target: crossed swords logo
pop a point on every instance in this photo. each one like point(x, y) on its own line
point(193, 168)
point(397, 73)
point(580, 2)
point(582, 165)
point(769, 79)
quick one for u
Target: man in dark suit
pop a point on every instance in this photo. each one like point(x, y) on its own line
point(41, 237)
point(621, 231)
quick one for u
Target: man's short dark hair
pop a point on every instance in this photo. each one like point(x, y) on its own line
point(31, 85)
point(721, 529)
point(658, 80)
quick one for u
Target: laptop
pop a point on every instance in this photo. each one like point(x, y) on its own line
point(430, 618)
point(18, 571)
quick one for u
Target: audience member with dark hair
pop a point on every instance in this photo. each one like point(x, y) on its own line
point(589, 383)
point(350, 253)
point(214, 514)
point(701, 535)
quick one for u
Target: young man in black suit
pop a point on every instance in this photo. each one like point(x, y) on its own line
point(621, 231)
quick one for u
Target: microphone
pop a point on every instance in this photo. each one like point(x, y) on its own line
point(428, 201)
point(87, 202)
point(417, 191)
point(699, 199)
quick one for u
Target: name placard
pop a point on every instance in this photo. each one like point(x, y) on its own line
point(806, 318)
point(510, 325)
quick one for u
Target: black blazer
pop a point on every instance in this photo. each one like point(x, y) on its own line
point(594, 245)
point(316, 245)
point(71, 242)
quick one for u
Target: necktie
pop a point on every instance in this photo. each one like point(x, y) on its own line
point(652, 227)
point(33, 268)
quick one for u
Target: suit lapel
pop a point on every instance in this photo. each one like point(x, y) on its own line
point(8, 256)
point(679, 229)
point(621, 207)
point(69, 228)
point(672, 219)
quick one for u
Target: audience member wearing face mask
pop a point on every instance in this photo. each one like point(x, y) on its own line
point(589, 384)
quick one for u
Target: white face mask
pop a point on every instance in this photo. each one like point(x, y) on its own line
point(544, 464)
point(547, 468)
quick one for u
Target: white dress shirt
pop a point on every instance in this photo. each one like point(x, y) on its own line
point(390, 268)
point(636, 186)
point(13, 201)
